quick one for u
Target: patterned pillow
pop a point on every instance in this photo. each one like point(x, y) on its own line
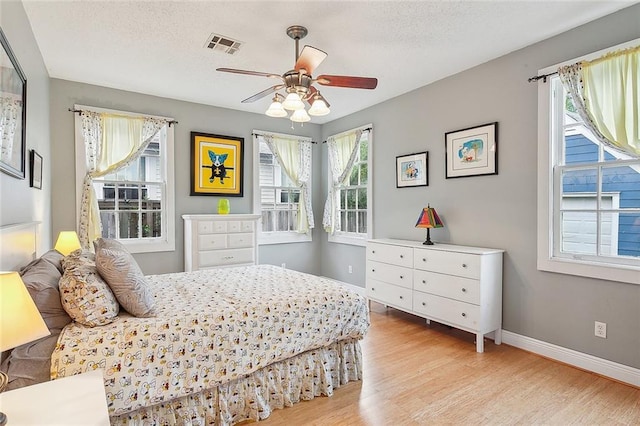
point(118, 267)
point(85, 295)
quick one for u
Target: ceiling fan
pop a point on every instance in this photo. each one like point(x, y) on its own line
point(298, 82)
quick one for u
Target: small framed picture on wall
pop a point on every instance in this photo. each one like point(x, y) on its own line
point(35, 163)
point(412, 170)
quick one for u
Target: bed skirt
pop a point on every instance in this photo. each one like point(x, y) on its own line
point(301, 378)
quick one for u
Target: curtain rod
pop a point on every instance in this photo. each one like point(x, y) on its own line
point(258, 134)
point(364, 130)
point(80, 111)
point(542, 77)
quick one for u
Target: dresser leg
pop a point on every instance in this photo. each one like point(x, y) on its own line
point(479, 342)
point(498, 336)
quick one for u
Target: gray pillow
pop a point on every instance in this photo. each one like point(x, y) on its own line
point(120, 270)
point(41, 277)
point(84, 294)
point(52, 256)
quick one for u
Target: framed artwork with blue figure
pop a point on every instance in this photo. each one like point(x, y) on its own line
point(472, 151)
point(412, 170)
point(217, 165)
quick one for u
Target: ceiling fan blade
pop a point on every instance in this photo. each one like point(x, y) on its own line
point(262, 94)
point(309, 59)
point(347, 81)
point(245, 72)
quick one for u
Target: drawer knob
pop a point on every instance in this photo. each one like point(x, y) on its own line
point(464, 290)
point(373, 251)
point(401, 297)
point(424, 303)
point(373, 289)
point(401, 277)
point(424, 259)
point(464, 315)
point(401, 256)
point(464, 265)
point(373, 270)
point(424, 281)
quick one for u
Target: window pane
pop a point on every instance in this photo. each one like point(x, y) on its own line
point(351, 221)
point(343, 221)
point(282, 220)
point(353, 177)
point(579, 232)
point(267, 220)
point(584, 180)
point(364, 173)
point(343, 199)
point(624, 181)
point(129, 225)
point(108, 220)
point(151, 224)
point(362, 198)
point(351, 198)
point(362, 222)
point(629, 234)
point(364, 146)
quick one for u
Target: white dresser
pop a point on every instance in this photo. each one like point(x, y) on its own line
point(454, 285)
point(218, 240)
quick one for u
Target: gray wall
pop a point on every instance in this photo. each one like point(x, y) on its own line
point(191, 117)
point(500, 210)
point(19, 202)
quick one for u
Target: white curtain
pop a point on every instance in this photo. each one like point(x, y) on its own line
point(10, 112)
point(342, 152)
point(111, 143)
point(606, 94)
point(294, 156)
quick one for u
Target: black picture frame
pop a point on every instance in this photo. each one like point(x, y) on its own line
point(13, 87)
point(472, 151)
point(412, 170)
point(35, 166)
point(225, 175)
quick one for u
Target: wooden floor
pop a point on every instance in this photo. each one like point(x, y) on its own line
point(416, 374)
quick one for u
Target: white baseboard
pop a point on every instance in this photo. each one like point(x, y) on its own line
point(620, 372)
point(355, 288)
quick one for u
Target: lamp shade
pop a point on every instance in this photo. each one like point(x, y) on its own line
point(300, 116)
point(67, 242)
point(429, 219)
point(276, 109)
point(20, 321)
point(319, 108)
point(293, 102)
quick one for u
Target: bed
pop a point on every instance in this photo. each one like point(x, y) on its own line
point(222, 346)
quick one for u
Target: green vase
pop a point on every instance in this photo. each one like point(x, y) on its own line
point(223, 206)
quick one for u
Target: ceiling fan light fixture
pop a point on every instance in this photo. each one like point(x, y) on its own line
point(319, 107)
point(293, 102)
point(300, 116)
point(275, 109)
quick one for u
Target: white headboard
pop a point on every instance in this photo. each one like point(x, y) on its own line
point(18, 245)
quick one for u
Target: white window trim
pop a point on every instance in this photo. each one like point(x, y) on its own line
point(546, 259)
point(168, 241)
point(279, 237)
point(351, 238)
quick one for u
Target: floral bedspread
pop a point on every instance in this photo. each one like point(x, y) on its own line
point(212, 326)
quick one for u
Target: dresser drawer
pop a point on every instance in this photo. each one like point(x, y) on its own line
point(240, 240)
point(247, 226)
point(386, 253)
point(390, 294)
point(212, 242)
point(450, 311)
point(445, 262)
point(211, 227)
point(225, 257)
point(234, 226)
point(392, 274)
point(464, 289)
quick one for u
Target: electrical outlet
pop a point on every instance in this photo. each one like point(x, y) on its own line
point(350, 269)
point(284, 265)
point(601, 329)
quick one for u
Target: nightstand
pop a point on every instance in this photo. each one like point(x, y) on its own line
point(74, 400)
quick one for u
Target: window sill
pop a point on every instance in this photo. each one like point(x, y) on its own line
point(623, 274)
point(348, 239)
point(267, 238)
point(152, 246)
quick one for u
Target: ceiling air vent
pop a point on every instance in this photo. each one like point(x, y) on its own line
point(222, 44)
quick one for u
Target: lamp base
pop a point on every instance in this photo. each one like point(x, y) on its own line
point(428, 241)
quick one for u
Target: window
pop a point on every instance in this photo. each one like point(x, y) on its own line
point(135, 202)
point(588, 194)
point(278, 197)
point(353, 196)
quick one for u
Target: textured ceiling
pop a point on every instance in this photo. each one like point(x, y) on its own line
point(157, 47)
